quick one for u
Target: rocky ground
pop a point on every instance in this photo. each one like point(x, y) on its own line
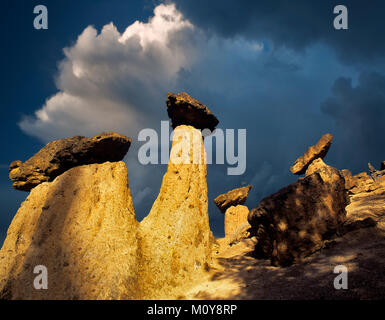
point(238, 275)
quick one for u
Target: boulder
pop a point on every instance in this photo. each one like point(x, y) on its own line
point(61, 155)
point(235, 216)
point(175, 239)
point(293, 223)
point(82, 228)
point(318, 150)
point(232, 198)
point(185, 110)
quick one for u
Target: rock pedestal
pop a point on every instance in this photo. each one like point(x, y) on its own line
point(234, 218)
point(175, 238)
point(82, 228)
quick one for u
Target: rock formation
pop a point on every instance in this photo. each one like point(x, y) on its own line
point(293, 222)
point(61, 155)
point(374, 172)
point(185, 110)
point(175, 238)
point(318, 150)
point(82, 228)
point(232, 198)
point(234, 218)
point(81, 225)
point(362, 182)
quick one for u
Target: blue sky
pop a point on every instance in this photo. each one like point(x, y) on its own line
point(277, 68)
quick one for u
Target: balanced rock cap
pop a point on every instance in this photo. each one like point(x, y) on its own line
point(185, 110)
point(61, 155)
point(318, 150)
point(232, 198)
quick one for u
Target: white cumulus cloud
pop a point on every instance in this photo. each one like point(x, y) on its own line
point(110, 81)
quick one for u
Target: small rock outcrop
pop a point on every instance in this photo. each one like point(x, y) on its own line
point(235, 216)
point(175, 238)
point(374, 172)
point(318, 150)
point(362, 182)
point(61, 155)
point(234, 197)
point(185, 110)
point(295, 221)
point(82, 228)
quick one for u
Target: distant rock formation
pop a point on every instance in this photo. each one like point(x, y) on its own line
point(361, 182)
point(232, 198)
point(185, 110)
point(374, 172)
point(318, 150)
point(82, 228)
point(295, 221)
point(235, 216)
point(61, 155)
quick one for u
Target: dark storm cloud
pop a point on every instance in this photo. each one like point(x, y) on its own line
point(295, 24)
point(359, 112)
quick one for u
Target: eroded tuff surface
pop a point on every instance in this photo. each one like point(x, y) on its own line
point(234, 218)
point(61, 155)
point(175, 238)
point(82, 227)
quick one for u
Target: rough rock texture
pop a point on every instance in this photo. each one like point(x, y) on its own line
point(59, 156)
point(244, 231)
point(361, 182)
point(175, 238)
point(232, 198)
point(315, 166)
point(375, 173)
point(185, 110)
point(318, 150)
point(235, 217)
point(82, 227)
point(382, 166)
point(349, 180)
point(293, 222)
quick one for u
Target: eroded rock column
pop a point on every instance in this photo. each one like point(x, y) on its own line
point(175, 238)
point(82, 228)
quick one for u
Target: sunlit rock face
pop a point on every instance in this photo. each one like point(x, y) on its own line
point(235, 216)
point(295, 221)
point(319, 150)
point(61, 155)
point(82, 228)
point(231, 198)
point(175, 238)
